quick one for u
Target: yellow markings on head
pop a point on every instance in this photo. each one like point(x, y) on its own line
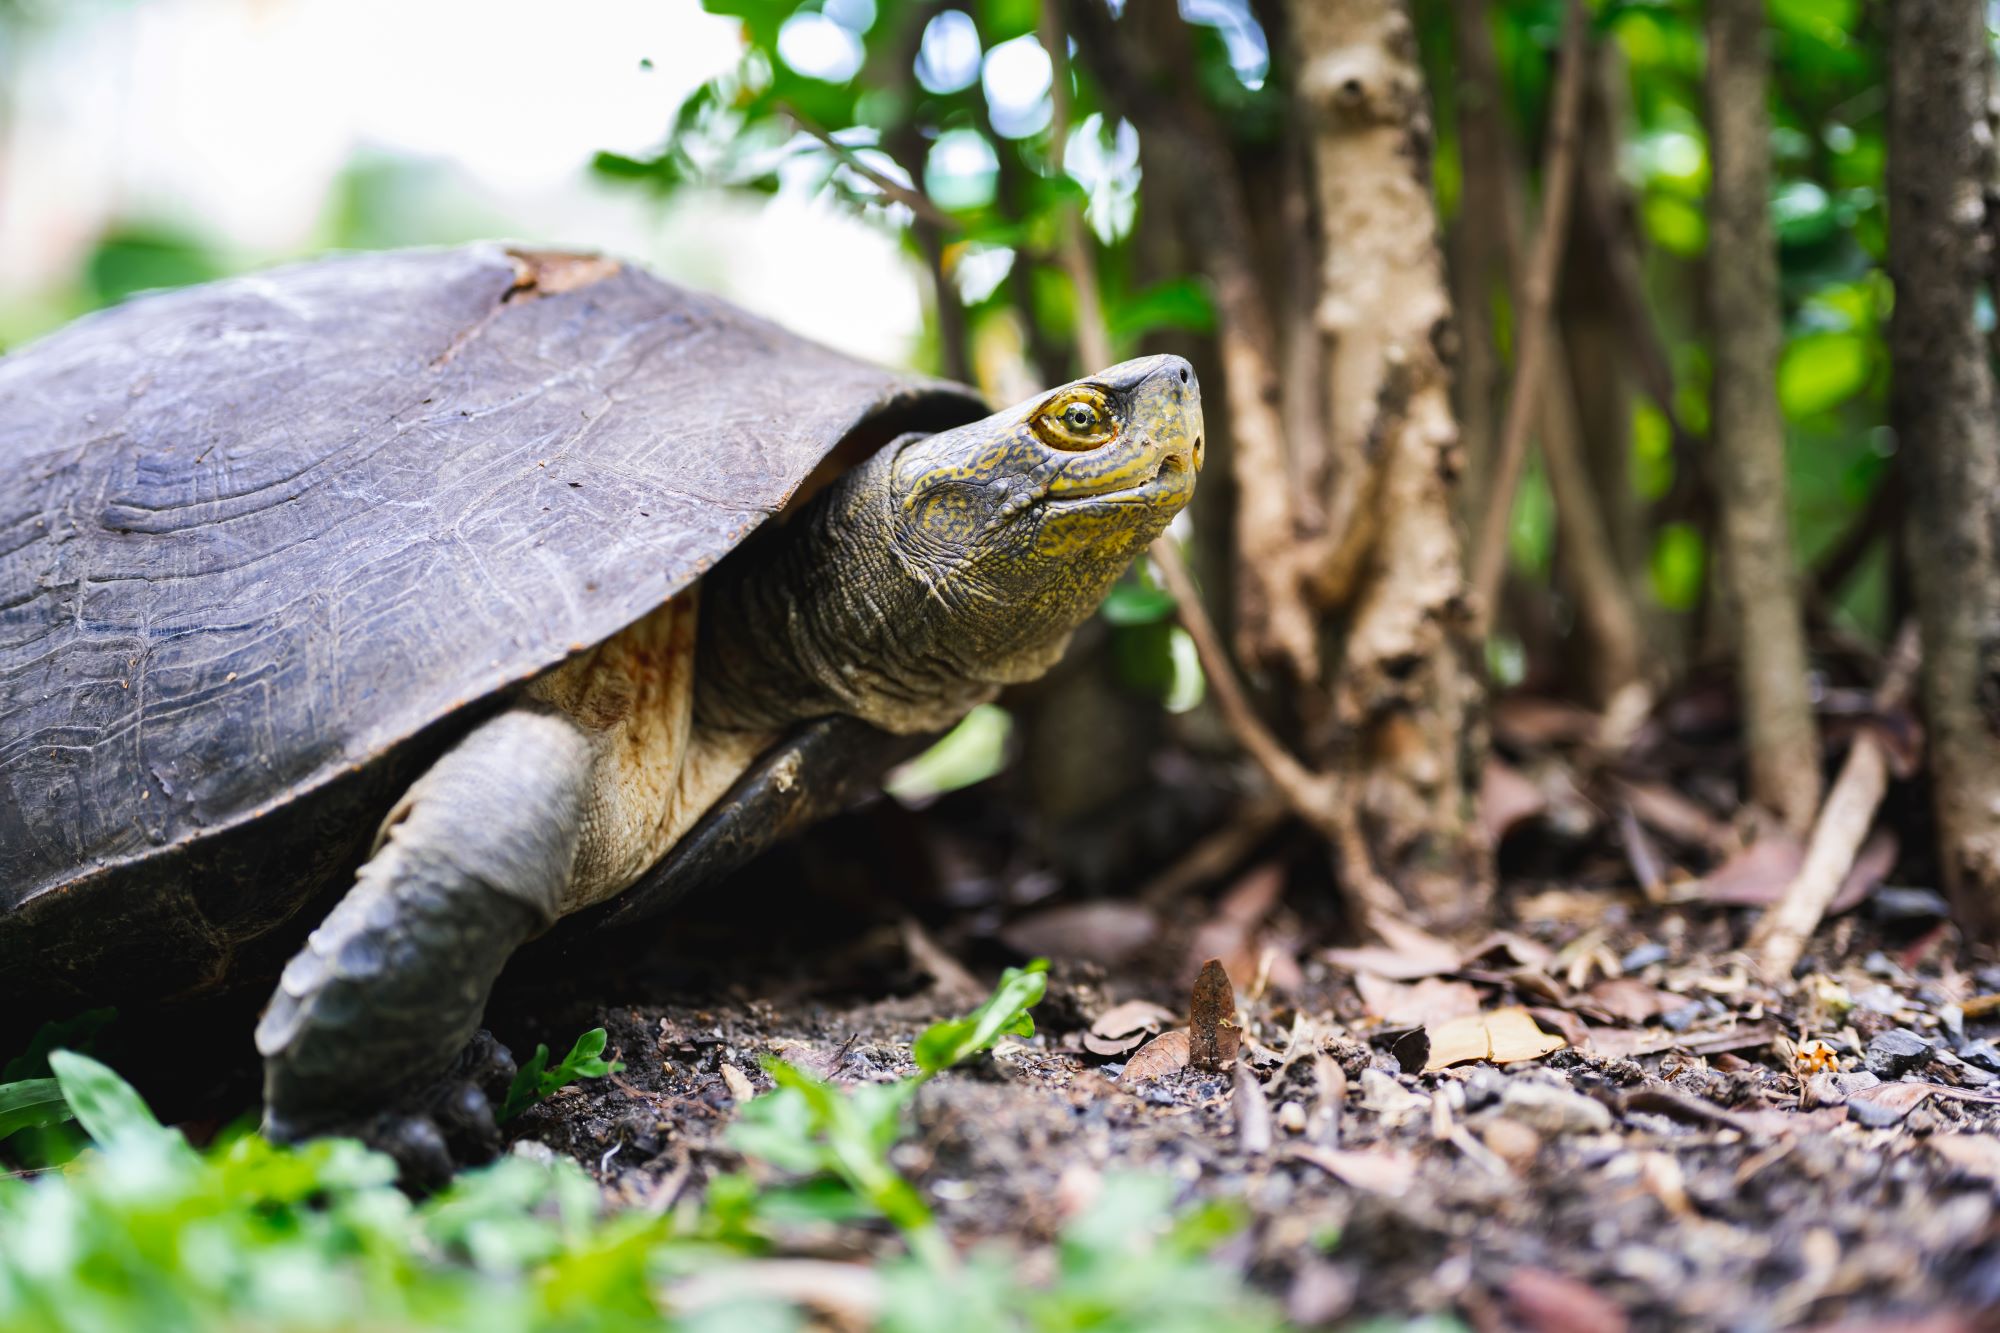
point(1077, 419)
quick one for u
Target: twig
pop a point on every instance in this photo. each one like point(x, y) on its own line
point(1537, 292)
point(915, 200)
point(1781, 936)
point(1316, 798)
point(1215, 855)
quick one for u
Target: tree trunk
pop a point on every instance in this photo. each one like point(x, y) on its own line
point(1404, 693)
point(1942, 406)
point(1749, 431)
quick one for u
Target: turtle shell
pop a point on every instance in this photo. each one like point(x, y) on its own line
point(266, 536)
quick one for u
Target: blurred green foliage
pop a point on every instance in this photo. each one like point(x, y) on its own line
point(146, 1232)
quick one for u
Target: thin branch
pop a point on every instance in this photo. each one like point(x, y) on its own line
point(1537, 293)
point(1781, 936)
point(1316, 798)
point(911, 198)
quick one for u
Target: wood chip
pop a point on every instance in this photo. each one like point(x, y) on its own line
point(1253, 1113)
point(741, 1089)
point(1213, 1037)
point(1502, 1036)
point(1164, 1054)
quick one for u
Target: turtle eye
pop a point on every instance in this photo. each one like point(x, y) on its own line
point(1078, 422)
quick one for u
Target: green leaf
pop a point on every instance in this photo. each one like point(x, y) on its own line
point(34, 1103)
point(535, 1080)
point(1005, 1013)
point(110, 1110)
point(1820, 371)
point(969, 753)
point(1178, 303)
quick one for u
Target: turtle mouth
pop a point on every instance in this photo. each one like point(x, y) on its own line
point(1170, 478)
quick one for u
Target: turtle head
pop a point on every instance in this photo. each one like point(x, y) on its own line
point(945, 566)
point(1020, 523)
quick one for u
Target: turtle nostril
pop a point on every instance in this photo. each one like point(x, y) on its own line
point(1184, 374)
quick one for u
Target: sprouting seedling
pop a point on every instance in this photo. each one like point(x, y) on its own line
point(536, 1080)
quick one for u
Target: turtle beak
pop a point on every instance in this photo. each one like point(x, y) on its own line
point(1159, 449)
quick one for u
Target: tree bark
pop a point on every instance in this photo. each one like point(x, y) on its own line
point(1404, 693)
point(1942, 406)
point(1749, 430)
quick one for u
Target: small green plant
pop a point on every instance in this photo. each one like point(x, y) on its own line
point(146, 1232)
point(31, 1103)
point(809, 1128)
point(535, 1080)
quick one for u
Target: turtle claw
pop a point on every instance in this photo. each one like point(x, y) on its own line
point(433, 1131)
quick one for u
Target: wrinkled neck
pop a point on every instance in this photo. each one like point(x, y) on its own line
point(821, 616)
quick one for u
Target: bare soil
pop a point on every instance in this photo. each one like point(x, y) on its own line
point(1686, 1161)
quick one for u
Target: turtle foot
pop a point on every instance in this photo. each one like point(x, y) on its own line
point(434, 1130)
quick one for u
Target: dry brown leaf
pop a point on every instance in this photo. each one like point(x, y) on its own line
point(1507, 797)
point(1625, 1043)
point(1872, 865)
point(1980, 1006)
point(1517, 949)
point(1753, 877)
point(1974, 1154)
point(1107, 933)
point(1632, 1000)
point(1563, 1023)
point(1502, 1036)
point(1384, 1171)
point(1547, 1302)
point(1531, 722)
point(740, 1087)
point(1123, 1027)
point(1419, 1004)
point(1213, 1037)
point(1405, 954)
point(1122, 1020)
point(1667, 812)
point(1886, 1103)
point(1162, 1055)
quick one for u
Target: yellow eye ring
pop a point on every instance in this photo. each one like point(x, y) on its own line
point(1077, 421)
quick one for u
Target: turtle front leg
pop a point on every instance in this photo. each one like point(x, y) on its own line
point(386, 994)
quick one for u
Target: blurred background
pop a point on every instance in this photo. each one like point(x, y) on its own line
point(1008, 192)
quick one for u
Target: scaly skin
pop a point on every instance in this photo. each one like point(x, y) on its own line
point(947, 566)
point(911, 589)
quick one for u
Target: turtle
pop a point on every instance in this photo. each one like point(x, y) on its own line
point(362, 618)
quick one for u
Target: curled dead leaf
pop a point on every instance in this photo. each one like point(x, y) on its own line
point(1122, 1020)
point(1213, 1037)
point(1123, 1027)
point(1632, 1000)
point(1502, 1036)
point(1420, 1004)
point(1162, 1055)
point(1385, 1171)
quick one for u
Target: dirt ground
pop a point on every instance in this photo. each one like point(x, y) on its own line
point(1703, 1151)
